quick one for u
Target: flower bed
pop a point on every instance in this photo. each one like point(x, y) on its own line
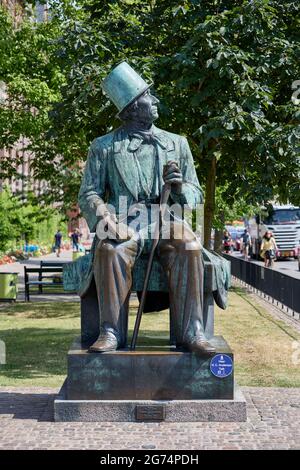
point(6, 259)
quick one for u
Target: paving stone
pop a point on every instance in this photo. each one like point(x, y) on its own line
point(26, 416)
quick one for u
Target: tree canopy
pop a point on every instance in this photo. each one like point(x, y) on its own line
point(223, 71)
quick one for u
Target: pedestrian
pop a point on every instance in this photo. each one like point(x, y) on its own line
point(268, 249)
point(246, 239)
point(58, 242)
point(227, 241)
point(75, 239)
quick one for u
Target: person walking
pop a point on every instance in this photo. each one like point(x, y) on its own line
point(58, 242)
point(227, 241)
point(268, 249)
point(75, 236)
point(246, 239)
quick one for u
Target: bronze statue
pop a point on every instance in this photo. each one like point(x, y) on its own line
point(134, 161)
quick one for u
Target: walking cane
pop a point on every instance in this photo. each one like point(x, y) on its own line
point(163, 201)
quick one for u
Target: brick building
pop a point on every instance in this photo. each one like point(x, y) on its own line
point(15, 7)
point(24, 180)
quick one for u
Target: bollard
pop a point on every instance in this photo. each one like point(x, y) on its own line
point(8, 286)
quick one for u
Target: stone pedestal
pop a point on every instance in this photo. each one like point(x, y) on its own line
point(154, 374)
point(150, 410)
point(156, 384)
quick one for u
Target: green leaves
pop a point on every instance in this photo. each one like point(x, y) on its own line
point(244, 56)
point(223, 68)
point(20, 219)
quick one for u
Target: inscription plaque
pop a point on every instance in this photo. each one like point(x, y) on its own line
point(150, 412)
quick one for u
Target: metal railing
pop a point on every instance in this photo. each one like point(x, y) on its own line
point(281, 287)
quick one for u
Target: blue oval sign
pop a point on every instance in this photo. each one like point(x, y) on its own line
point(221, 365)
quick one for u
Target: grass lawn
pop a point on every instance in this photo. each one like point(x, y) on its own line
point(38, 334)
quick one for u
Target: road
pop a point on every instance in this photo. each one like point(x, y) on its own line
point(288, 266)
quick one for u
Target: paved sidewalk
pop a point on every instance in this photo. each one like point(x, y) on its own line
point(287, 266)
point(26, 422)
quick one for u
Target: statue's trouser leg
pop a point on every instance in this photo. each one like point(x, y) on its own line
point(180, 256)
point(113, 277)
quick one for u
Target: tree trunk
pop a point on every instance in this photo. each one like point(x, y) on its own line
point(209, 205)
point(218, 245)
point(218, 241)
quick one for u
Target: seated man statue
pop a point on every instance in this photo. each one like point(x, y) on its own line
point(134, 162)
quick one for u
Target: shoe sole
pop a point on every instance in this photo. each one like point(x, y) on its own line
point(101, 350)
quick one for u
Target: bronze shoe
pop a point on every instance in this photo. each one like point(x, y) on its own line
point(200, 346)
point(105, 342)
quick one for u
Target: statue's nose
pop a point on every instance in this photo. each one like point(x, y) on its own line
point(154, 99)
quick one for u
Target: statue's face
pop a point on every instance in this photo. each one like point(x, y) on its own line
point(146, 110)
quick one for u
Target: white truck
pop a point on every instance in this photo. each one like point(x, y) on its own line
point(284, 222)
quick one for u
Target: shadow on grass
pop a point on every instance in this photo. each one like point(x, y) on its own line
point(42, 309)
point(33, 353)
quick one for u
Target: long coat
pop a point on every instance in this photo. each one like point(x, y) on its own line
point(110, 173)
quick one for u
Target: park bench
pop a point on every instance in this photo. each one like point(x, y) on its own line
point(48, 273)
point(51, 264)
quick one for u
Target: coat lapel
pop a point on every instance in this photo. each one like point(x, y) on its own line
point(124, 161)
point(123, 154)
point(165, 150)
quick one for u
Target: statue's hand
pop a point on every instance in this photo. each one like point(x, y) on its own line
point(124, 232)
point(116, 231)
point(173, 175)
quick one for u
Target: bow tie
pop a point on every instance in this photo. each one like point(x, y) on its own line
point(139, 138)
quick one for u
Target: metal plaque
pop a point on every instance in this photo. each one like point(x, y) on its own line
point(150, 412)
point(221, 365)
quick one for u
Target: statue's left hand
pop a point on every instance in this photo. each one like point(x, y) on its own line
point(123, 232)
point(109, 228)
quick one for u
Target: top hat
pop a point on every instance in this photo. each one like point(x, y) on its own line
point(123, 85)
